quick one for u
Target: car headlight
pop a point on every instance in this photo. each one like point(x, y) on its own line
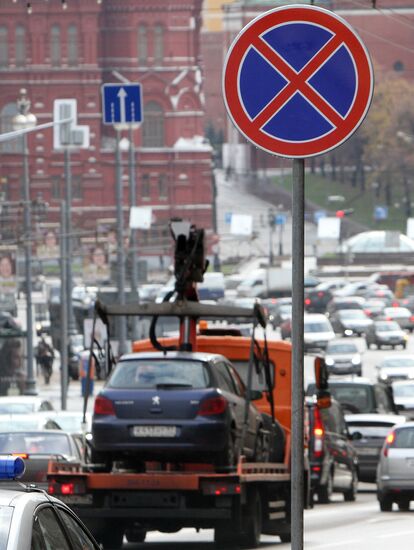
point(383, 376)
point(348, 332)
point(356, 360)
point(329, 362)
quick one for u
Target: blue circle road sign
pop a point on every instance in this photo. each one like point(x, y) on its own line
point(297, 81)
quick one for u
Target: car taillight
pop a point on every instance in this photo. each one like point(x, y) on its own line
point(368, 312)
point(76, 487)
point(412, 318)
point(212, 406)
point(389, 440)
point(321, 294)
point(318, 433)
point(308, 301)
point(103, 406)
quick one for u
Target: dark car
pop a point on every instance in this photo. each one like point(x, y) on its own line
point(360, 395)
point(278, 312)
point(344, 302)
point(332, 457)
point(350, 322)
point(343, 357)
point(176, 407)
point(385, 333)
point(369, 432)
point(37, 447)
point(317, 299)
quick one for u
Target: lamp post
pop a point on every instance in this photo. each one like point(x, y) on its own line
point(23, 120)
point(271, 220)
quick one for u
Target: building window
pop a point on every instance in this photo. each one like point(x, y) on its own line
point(145, 190)
point(4, 47)
point(399, 66)
point(55, 46)
point(142, 44)
point(55, 190)
point(158, 43)
point(77, 188)
point(72, 45)
point(153, 127)
point(162, 186)
point(6, 125)
point(20, 46)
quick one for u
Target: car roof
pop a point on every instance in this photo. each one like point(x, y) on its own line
point(361, 381)
point(375, 418)
point(315, 317)
point(20, 398)
point(175, 355)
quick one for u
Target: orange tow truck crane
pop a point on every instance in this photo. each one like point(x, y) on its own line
point(239, 505)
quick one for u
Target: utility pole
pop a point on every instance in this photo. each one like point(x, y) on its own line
point(71, 325)
point(63, 309)
point(133, 236)
point(120, 245)
point(271, 220)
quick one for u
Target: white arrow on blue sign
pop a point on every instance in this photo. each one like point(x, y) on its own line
point(122, 104)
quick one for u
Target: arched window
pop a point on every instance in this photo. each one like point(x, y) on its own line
point(72, 45)
point(153, 127)
point(55, 46)
point(142, 44)
point(20, 49)
point(158, 43)
point(4, 47)
point(6, 125)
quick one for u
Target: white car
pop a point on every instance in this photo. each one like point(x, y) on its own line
point(24, 404)
point(32, 520)
point(317, 331)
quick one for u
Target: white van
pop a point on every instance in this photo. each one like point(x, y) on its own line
point(317, 331)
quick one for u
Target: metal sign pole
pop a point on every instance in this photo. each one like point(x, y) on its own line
point(298, 242)
point(120, 268)
point(63, 309)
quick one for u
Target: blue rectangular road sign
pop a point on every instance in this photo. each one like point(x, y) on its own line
point(122, 103)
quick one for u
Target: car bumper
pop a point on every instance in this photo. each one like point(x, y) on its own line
point(348, 368)
point(207, 436)
point(395, 485)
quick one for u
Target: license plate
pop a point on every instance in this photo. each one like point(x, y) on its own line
point(367, 451)
point(76, 499)
point(154, 431)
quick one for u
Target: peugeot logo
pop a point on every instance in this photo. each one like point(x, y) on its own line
point(156, 400)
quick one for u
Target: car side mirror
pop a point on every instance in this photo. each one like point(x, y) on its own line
point(356, 436)
point(255, 395)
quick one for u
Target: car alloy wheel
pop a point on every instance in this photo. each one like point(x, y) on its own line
point(385, 503)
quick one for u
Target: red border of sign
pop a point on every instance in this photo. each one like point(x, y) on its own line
point(364, 76)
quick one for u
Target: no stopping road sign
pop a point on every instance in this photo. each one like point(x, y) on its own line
point(297, 81)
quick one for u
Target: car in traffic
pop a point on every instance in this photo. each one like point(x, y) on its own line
point(316, 299)
point(34, 520)
point(385, 333)
point(344, 302)
point(395, 367)
point(332, 458)
point(38, 421)
point(317, 331)
point(374, 308)
point(403, 393)
point(401, 315)
point(395, 479)
point(71, 421)
point(24, 404)
point(38, 447)
point(350, 322)
point(360, 395)
point(343, 357)
point(368, 433)
point(179, 406)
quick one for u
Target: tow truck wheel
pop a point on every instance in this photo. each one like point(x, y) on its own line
point(111, 537)
point(229, 457)
point(252, 524)
point(135, 535)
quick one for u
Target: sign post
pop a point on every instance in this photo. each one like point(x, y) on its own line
point(122, 108)
point(297, 82)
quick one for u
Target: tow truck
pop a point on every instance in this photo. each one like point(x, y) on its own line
point(239, 505)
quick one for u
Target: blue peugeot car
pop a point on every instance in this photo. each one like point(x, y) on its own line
point(179, 406)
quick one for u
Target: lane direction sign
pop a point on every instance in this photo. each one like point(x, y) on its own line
point(122, 103)
point(297, 81)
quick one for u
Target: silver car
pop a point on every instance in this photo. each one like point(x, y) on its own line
point(395, 473)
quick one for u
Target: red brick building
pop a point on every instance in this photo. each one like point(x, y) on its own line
point(70, 53)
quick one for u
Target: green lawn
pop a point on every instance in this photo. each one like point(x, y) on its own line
point(318, 189)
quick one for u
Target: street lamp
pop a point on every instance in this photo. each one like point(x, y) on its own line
point(271, 221)
point(22, 121)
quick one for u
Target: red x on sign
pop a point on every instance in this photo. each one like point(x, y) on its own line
point(297, 81)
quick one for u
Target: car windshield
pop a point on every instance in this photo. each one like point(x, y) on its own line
point(352, 314)
point(16, 408)
point(404, 438)
point(152, 374)
point(354, 394)
point(316, 327)
point(403, 390)
point(387, 327)
point(34, 443)
point(6, 513)
point(381, 429)
point(398, 362)
point(396, 312)
point(341, 348)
